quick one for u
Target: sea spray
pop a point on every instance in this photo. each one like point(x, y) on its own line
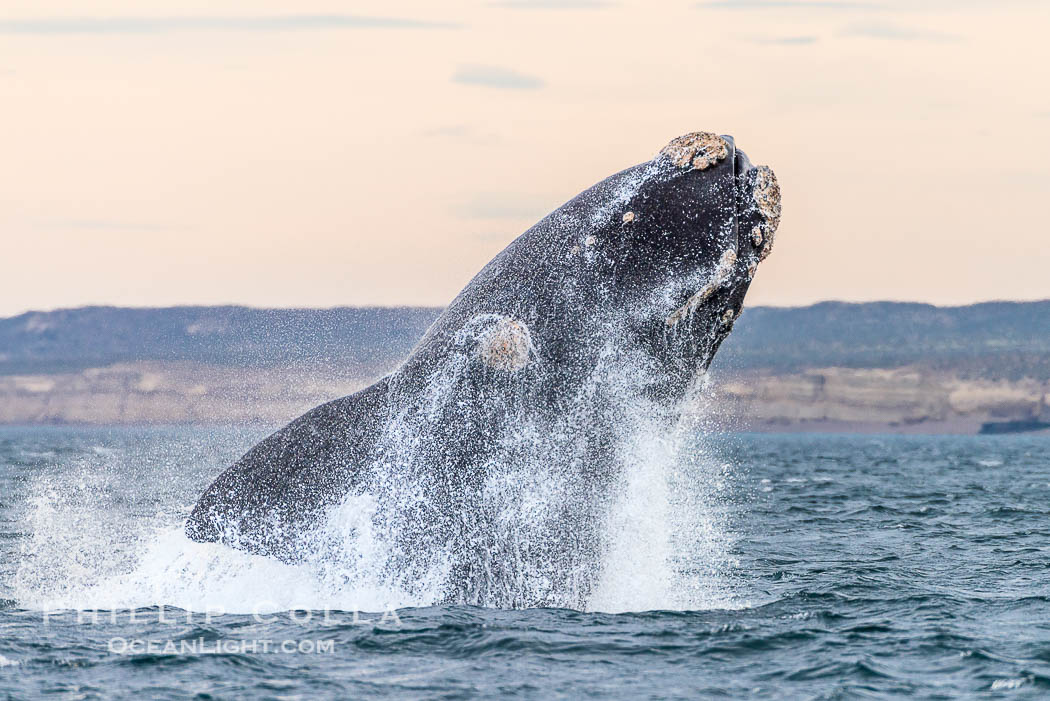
point(106, 533)
point(610, 503)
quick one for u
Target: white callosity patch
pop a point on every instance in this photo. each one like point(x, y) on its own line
point(767, 199)
point(506, 345)
point(699, 150)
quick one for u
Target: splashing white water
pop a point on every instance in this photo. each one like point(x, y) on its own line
point(668, 538)
point(491, 471)
point(547, 524)
point(102, 539)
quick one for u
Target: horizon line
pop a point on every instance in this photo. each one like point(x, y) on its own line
point(337, 307)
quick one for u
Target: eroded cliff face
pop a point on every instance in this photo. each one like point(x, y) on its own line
point(887, 366)
point(155, 392)
point(905, 398)
point(897, 397)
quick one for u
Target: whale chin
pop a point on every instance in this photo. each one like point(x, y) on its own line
point(728, 210)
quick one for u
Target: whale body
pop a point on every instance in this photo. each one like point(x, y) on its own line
point(500, 437)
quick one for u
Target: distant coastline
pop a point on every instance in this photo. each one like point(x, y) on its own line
point(880, 367)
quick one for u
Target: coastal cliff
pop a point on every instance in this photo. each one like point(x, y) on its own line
point(872, 367)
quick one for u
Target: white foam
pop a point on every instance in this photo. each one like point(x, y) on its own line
point(637, 570)
point(98, 541)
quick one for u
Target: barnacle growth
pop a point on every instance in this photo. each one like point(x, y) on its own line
point(699, 149)
point(767, 198)
point(506, 345)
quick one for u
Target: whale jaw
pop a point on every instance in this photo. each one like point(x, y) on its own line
point(724, 213)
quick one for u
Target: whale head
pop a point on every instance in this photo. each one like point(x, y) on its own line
point(701, 221)
point(651, 263)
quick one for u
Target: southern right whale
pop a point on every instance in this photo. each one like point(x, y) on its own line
point(486, 459)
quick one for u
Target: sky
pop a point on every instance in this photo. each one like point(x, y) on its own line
point(320, 153)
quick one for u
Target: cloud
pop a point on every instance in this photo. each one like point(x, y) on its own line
point(103, 225)
point(242, 23)
point(774, 4)
point(462, 133)
point(553, 4)
point(453, 131)
point(788, 41)
point(899, 6)
point(493, 77)
point(886, 30)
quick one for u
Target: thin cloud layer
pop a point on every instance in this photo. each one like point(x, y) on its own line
point(784, 4)
point(184, 158)
point(495, 77)
point(244, 23)
point(887, 30)
point(788, 41)
point(553, 4)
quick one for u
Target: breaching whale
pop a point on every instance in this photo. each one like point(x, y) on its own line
point(511, 413)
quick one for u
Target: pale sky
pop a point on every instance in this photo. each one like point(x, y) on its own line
point(320, 153)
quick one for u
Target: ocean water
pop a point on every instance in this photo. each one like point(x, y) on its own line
point(761, 566)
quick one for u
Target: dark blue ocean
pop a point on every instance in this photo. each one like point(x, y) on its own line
point(802, 566)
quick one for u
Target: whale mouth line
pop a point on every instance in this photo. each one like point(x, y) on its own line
point(721, 275)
